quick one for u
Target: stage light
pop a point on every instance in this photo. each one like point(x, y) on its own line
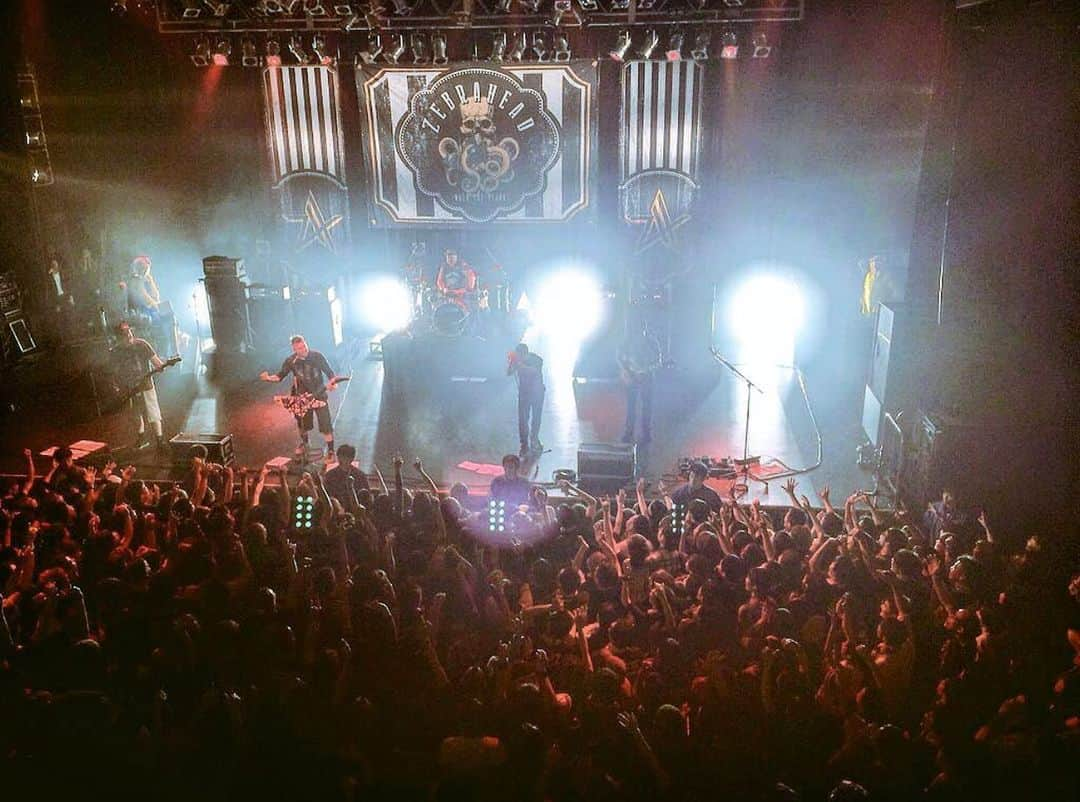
point(620, 5)
point(403, 7)
point(384, 303)
point(438, 49)
point(498, 46)
point(645, 5)
point(622, 47)
point(273, 53)
point(249, 56)
point(762, 48)
point(396, 51)
point(314, 8)
point(418, 46)
point(503, 6)
point(296, 47)
point(539, 46)
point(652, 39)
point(201, 56)
point(733, 3)
point(222, 51)
point(344, 9)
point(675, 43)
point(589, 5)
point(323, 54)
point(532, 6)
point(701, 47)
point(517, 50)
point(192, 9)
point(273, 7)
point(374, 48)
point(561, 44)
point(765, 314)
point(699, 4)
point(41, 173)
point(563, 14)
point(729, 45)
point(119, 7)
point(568, 306)
point(35, 137)
point(496, 516)
point(218, 9)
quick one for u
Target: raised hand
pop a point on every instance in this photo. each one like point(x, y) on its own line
point(823, 494)
point(640, 486)
point(789, 486)
point(128, 473)
point(621, 496)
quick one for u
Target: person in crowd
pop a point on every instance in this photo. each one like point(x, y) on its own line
point(197, 642)
point(695, 488)
point(337, 478)
point(511, 487)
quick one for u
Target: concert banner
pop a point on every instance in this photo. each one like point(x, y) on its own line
point(479, 143)
point(660, 146)
point(306, 151)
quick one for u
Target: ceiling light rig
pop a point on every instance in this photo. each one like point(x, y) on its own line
point(729, 45)
point(396, 51)
point(498, 46)
point(438, 49)
point(540, 47)
point(201, 55)
point(273, 53)
point(517, 48)
point(700, 51)
point(675, 45)
point(561, 45)
point(323, 54)
point(296, 47)
point(374, 49)
point(762, 48)
point(418, 46)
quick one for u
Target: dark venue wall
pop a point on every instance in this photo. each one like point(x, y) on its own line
point(994, 285)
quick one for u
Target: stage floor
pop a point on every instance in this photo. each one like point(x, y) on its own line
point(451, 421)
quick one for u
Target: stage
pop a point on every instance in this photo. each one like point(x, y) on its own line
point(461, 424)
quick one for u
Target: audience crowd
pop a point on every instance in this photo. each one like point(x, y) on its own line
point(204, 641)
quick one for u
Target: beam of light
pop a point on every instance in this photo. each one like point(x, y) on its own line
point(765, 314)
point(383, 303)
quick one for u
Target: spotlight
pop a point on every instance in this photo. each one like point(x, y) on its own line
point(765, 314)
point(249, 56)
point(403, 7)
point(375, 17)
point(119, 7)
point(729, 45)
point(539, 46)
point(192, 9)
point(218, 9)
point(675, 43)
point(418, 46)
point(36, 137)
point(397, 49)
point(438, 49)
point(620, 5)
point(498, 46)
point(734, 3)
point(532, 6)
point(645, 5)
point(652, 38)
point(622, 46)
point(700, 51)
point(503, 6)
point(314, 8)
point(201, 55)
point(273, 7)
point(517, 49)
point(296, 47)
point(374, 48)
point(569, 305)
point(222, 51)
point(561, 45)
point(323, 54)
point(384, 304)
point(41, 173)
point(588, 5)
point(762, 48)
point(273, 53)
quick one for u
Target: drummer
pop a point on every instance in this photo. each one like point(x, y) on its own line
point(456, 280)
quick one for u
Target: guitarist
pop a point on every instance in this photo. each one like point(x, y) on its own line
point(638, 356)
point(135, 358)
point(308, 369)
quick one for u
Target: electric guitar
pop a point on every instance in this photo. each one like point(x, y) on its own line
point(124, 395)
point(302, 403)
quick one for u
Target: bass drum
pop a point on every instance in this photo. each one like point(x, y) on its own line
point(448, 319)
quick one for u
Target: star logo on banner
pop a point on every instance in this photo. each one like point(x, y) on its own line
point(317, 228)
point(660, 228)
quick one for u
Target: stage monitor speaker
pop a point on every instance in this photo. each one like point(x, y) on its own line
point(318, 314)
point(606, 467)
point(219, 448)
point(227, 299)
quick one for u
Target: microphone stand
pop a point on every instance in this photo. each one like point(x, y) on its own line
point(744, 470)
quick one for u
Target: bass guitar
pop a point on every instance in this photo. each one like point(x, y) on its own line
point(124, 395)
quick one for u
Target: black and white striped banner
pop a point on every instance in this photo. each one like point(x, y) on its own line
point(660, 137)
point(306, 154)
point(480, 142)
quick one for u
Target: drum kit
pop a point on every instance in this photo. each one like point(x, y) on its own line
point(449, 315)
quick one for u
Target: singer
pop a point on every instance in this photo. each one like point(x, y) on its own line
point(529, 370)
